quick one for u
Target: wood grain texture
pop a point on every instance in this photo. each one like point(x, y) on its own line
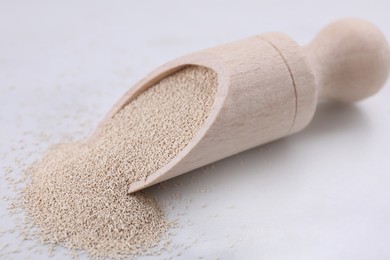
point(268, 88)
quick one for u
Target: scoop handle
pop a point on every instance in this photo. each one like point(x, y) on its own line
point(350, 59)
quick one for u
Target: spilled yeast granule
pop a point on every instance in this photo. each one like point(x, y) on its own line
point(76, 196)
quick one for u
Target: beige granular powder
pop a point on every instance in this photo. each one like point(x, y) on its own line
point(155, 127)
point(77, 194)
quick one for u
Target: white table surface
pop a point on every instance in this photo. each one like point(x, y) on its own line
point(321, 194)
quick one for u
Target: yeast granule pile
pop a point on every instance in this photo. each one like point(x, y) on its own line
point(77, 196)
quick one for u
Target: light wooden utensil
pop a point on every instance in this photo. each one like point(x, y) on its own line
point(268, 88)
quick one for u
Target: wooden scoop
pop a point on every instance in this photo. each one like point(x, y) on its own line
point(268, 88)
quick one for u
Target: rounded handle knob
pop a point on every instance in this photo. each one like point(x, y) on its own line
point(350, 60)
